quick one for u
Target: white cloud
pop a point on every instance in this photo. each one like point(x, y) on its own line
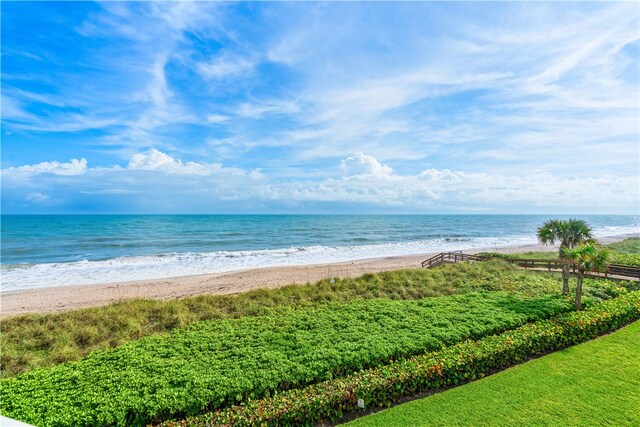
point(226, 66)
point(158, 89)
point(549, 73)
point(159, 182)
point(361, 164)
point(155, 160)
point(150, 160)
point(483, 100)
point(368, 181)
point(256, 110)
point(74, 167)
point(217, 118)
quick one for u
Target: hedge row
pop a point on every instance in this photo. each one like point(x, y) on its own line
point(382, 386)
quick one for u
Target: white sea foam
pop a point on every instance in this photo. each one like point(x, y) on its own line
point(22, 277)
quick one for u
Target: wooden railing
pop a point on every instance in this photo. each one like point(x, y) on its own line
point(451, 257)
point(624, 271)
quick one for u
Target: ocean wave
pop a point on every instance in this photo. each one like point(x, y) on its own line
point(21, 277)
point(31, 276)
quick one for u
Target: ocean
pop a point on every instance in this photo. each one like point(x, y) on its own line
point(57, 250)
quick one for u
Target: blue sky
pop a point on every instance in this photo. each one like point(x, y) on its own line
point(206, 107)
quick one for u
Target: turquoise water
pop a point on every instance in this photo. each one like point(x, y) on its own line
point(40, 251)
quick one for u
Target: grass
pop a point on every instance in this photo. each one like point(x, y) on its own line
point(627, 246)
point(218, 363)
point(37, 340)
point(524, 255)
point(595, 383)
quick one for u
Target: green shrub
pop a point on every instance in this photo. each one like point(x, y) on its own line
point(626, 259)
point(213, 364)
point(466, 361)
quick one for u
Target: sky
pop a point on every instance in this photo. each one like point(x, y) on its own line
point(274, 107)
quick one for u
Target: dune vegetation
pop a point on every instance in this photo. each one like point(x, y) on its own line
point(36, 340)
point(626, 246)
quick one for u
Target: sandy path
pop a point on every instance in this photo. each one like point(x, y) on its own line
point(62, 298)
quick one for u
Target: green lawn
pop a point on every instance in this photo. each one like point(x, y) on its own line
point(595, 383)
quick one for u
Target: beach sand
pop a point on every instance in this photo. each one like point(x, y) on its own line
point(56, 299)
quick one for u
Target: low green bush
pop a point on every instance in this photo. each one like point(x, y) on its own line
point(466, 361)
point(214, 364)
point(626, 259)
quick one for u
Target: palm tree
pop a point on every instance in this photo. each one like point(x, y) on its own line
point(569, 234)
point(586, 257)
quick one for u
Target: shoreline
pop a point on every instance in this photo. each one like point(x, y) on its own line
point(71, 297)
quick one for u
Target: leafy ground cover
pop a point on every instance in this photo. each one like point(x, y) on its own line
point(626, 259)
point(466, 361)
point(32, 341)
point(213, 364)
point(594, 383)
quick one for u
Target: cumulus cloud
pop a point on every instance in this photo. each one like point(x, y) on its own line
point(154, 181)
point(362, 164)
point(367, 181)
point(74, 167)
point(155, 160)
point(152, 160)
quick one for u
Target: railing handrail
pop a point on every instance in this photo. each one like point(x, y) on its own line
point(616, 269)
point(442, 256)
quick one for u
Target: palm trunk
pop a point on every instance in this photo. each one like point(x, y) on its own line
point(565, 270)
point(579, 290)
point(565, 277)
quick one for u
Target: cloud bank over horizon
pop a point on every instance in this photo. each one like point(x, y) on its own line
point(361, 183)
point(206, 107)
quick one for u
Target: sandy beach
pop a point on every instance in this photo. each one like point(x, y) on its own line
point(56, 299)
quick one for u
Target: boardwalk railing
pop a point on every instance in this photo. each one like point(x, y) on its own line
point(451, 257)
point(625, 271)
